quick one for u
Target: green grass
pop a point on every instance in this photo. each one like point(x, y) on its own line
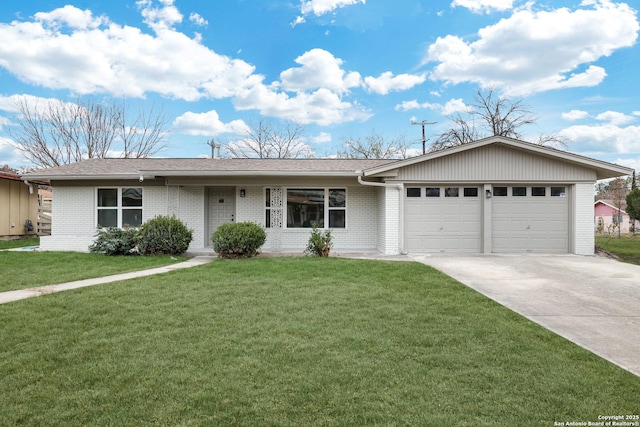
point(294, 342)
point(19, 243)
point(626, 248)
point(19, 270)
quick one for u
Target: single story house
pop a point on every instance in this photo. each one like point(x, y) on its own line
point(609, 218)
point(492, 195)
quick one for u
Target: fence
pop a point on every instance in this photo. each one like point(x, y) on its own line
point(44, 219)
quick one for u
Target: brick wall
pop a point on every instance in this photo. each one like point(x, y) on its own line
point(73, 225)
point(584, 241)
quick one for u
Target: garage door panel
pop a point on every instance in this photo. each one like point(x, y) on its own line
point(442, 224)
point(530, 224)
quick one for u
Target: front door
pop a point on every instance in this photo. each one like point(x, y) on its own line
point(222, 207)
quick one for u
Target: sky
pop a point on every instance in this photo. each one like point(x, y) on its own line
point(340, 68)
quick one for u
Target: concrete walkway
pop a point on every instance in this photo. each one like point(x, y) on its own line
point(10, 296)
point(589, 300)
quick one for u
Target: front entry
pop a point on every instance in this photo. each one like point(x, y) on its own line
point(222, 207)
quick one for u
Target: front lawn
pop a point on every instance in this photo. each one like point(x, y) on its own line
point(19, 270)
point(294, 342)
point(626, 248)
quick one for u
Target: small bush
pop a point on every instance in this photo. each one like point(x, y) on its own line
point(115, 241)
point(238, 240)
point(320, 243)
point(163, 235)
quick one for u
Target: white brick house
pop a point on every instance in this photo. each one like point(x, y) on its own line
point(492, 195)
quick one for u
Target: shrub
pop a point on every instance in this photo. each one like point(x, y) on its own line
point(115, 241)
point(320, 243)
point(238, 240)
point(163, 235)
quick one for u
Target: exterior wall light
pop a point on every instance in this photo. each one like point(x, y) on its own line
point(243, 192)
point(488, 194)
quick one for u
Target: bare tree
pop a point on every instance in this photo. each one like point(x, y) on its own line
point(59, 133)
point(374, 146)
point(264, 140)
point(491, 115)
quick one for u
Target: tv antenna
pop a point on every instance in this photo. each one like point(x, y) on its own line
point(424, 138)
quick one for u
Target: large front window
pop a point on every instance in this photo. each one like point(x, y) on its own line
point(119, 207)
point(308, 207)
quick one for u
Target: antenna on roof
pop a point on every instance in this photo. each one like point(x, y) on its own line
point(424, 139)
point(212, 144)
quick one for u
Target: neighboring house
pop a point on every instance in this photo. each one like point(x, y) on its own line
point(493, 195)
point(608, 218)
point(18, 205)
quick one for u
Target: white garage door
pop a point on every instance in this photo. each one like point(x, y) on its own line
point(530, 219)
point(442, 219)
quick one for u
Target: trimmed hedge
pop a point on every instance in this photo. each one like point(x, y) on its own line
point(163, 235)
point(238, 240)
point(115, 241)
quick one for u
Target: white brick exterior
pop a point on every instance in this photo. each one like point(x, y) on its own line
point(390, 220)
point(73, 224)
point(583, 235)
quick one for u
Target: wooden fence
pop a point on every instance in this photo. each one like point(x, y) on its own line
point(44, 219)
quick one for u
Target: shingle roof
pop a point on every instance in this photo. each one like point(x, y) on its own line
point(130, 168)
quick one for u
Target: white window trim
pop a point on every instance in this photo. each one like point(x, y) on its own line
point(119, 206)
point(285, 225)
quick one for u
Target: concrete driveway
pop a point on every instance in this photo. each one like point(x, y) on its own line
point(592, 301)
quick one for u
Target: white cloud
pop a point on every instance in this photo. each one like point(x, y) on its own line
point(9, 154)
point(615, 118)
point(207, 124)
point(70, 16)
point(455, 106)
point(533, 51)
point(319, 69)
point(629, 162)
point(118, 60)
point(604, 138)
point(574, 115)
point(162, 18)
point(322, 107)
point(70, 49)
point(387, 82)
point(479, 6)
point(198, 20)
point(321, 138)
point(322, 7)
point(415, 105)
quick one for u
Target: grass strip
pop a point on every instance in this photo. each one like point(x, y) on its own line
point(20, 270)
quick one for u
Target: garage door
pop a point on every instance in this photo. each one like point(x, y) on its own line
point(530, 219)
point(442, 219)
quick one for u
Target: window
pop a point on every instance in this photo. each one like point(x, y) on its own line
point(451, 192)
point(432, 192)
point(471, 192)
point(306, 207)
point(538, 191)
point(519, 191)
point(558, 192)
point(119, 207)
point(414, 192)
point(500, 191)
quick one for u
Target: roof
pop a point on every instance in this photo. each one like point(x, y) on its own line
point(603, 169)
point(611, 204)
point(152, 167)
point(94, 169)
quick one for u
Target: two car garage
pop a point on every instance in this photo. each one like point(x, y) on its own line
point(459, 218)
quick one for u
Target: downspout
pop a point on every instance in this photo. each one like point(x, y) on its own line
point(28, 184)
point(400, 188)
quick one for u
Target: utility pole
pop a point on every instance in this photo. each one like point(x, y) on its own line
point(424, 138)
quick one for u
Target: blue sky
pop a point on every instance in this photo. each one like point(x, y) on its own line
point(341, 68)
